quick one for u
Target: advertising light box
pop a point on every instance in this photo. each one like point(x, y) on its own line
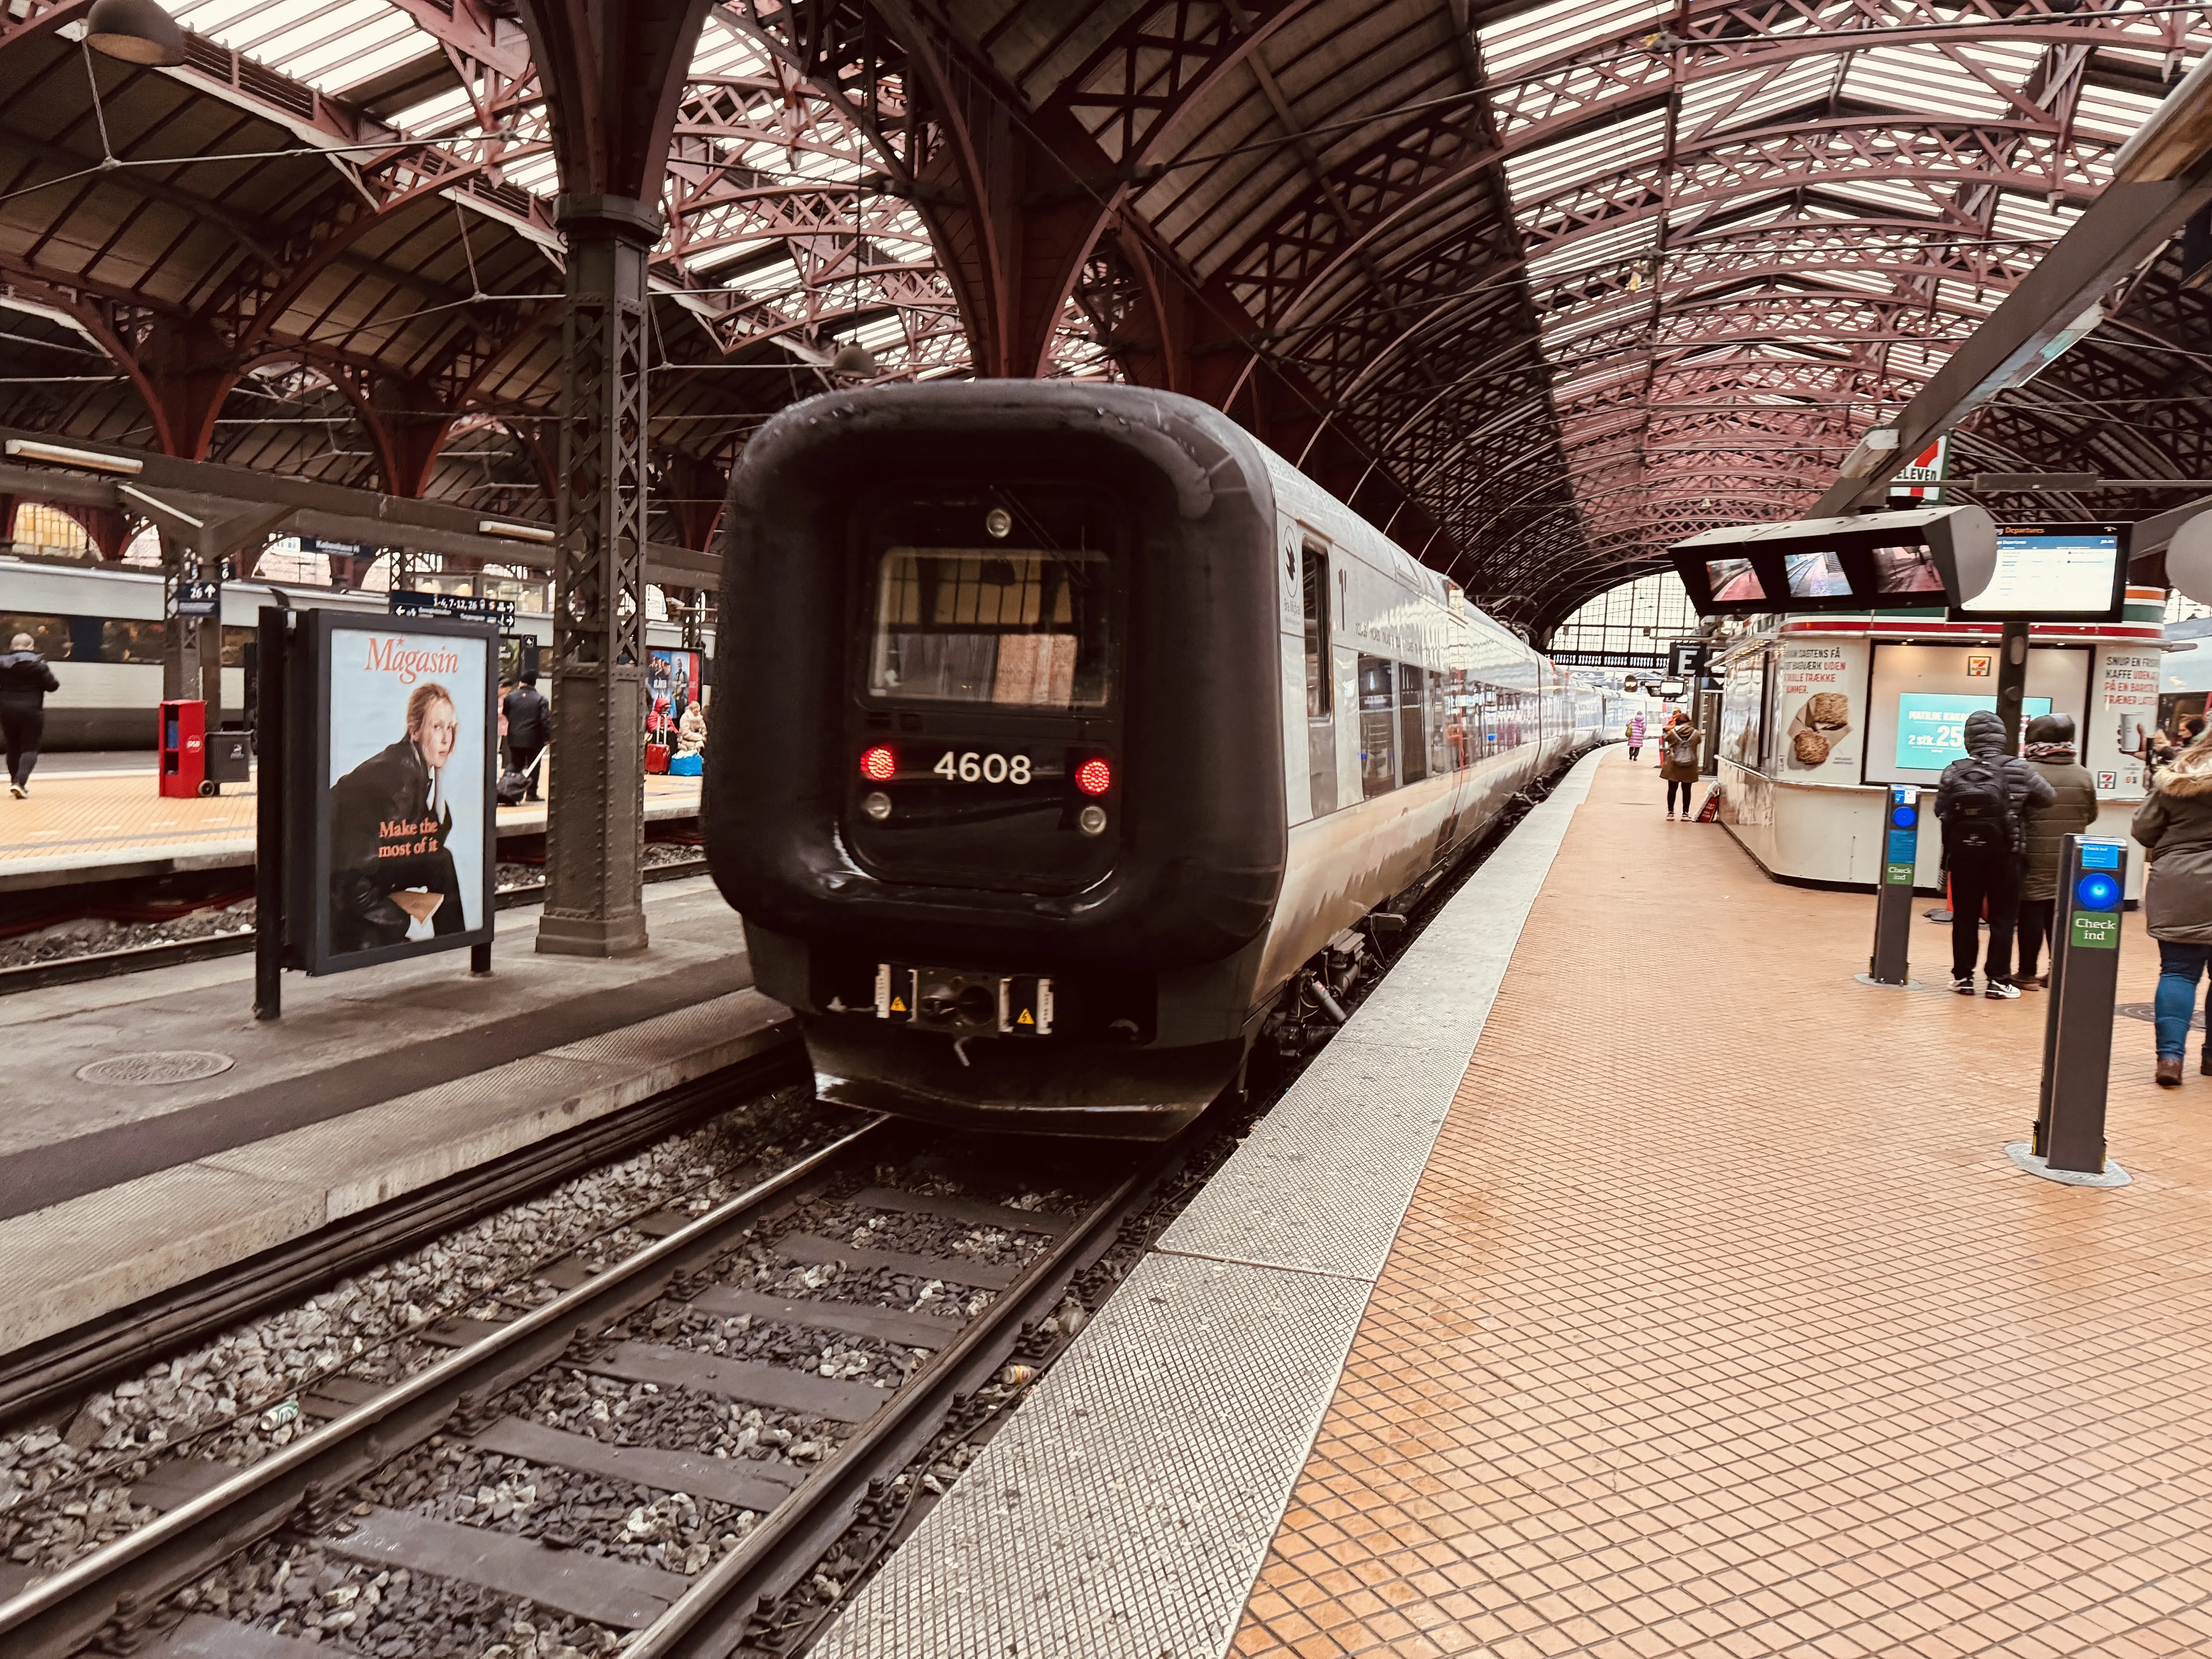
point(392, 781)
point(1931, 725)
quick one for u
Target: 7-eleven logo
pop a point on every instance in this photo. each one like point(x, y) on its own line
point(1923, 480)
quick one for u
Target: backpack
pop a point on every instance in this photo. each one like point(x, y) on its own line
point(1682, 748)
point(1979, 817)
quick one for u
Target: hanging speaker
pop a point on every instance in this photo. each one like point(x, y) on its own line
point(2188, 558)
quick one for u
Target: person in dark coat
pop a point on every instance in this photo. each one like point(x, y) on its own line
point(2045, 829)
point(25, 679)
point(1986, 875)
point(529, 729)
point(390, 865)
point(1679, 758)
point(2175, 822)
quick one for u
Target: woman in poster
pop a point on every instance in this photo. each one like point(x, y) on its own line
point(389, 867)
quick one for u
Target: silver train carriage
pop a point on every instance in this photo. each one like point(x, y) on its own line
point(1081, 735)
point(101, 627)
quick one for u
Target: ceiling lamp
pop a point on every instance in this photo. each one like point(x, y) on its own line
point(136, 31)
point(854, 361)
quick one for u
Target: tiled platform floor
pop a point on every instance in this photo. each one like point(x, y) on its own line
point(105, 817)
point(1721, 1325)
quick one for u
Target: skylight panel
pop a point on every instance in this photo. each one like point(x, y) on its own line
point(1888, 196)
point(2104, 113)
point(1561, 26)
point(1715, 104)
point(1921, 80)
point(1595, 251)
point(2029, 219)
point(1602, 153)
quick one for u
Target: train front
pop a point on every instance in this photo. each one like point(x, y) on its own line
point(996, 774)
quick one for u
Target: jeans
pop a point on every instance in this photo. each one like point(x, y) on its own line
point(1685, 787)
point(22, 725)
point(2035, 916)
point(2178, 966)
point(1975, 881)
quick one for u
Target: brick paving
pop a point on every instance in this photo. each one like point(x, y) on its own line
point(1721, 1325)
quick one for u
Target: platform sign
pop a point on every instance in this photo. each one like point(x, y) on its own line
point(2077, 1033)
point(389, 788)
point(409, 602)
point(198, 599)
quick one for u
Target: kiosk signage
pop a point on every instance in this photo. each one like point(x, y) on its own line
point(2077, 1032)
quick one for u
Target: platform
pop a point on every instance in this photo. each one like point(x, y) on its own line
point(375, 1084)
point(1717, 1321)
point(110, 825)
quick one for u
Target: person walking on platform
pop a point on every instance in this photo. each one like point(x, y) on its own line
point(1679, 754)
point(2045, 829)
point(1635, 735)
point(25, 679)
point(2175, 822)
point(529, 727)
point(1980, 801)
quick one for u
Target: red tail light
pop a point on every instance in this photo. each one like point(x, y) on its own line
point(1094, 777)
point(877, 765)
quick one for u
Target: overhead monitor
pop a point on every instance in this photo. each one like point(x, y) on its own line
point(1864, 562)
point(2058, 573)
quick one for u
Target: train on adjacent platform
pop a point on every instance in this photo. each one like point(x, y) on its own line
point(1085, 743)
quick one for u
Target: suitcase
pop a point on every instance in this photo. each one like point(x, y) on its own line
point(656, 757)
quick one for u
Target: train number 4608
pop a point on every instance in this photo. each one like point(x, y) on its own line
point(972, 768)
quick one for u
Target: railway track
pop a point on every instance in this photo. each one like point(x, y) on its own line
point(106, 965)
point(389, 1498)
point(698, 1449)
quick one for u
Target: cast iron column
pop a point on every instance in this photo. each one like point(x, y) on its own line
point(595, 819)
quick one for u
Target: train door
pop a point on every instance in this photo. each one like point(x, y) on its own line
point(1320, 680)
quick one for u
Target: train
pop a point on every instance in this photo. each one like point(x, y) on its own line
point(101, 627)
point(1088, 744)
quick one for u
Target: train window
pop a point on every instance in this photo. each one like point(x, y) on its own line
point(1320, 683)
point(1378, 727)
point(1015, 627)
point(1442, 755)
point(51, 633)
point(122, 640)
point(1412, 737)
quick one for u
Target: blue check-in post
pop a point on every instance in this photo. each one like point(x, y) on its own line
point(1892, 908)
point(2077, 1032)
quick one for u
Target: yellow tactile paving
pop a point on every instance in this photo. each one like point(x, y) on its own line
point(67, 816)
point(1720, 1326)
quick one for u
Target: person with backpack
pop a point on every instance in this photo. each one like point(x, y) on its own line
point(1679, 752)
point(529, 726)
point(25, 680)
point(2045, 829)
point(1979, 802)
point(2175, 822)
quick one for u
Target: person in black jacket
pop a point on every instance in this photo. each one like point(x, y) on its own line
point(529, 727)
point(25, 679)
point(1981, 800)
point(390, 820)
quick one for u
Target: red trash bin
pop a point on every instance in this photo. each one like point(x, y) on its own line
point(184, 748)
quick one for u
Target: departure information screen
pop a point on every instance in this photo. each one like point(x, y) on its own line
point(2046, 570)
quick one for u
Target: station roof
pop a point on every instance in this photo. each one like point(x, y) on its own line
point(1577, 278)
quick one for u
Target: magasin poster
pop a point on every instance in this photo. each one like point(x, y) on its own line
point(404, 769)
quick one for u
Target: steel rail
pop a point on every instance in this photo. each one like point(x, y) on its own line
point(120, 1584)
point(47, 1372)
point(172, 953)
point(710, 1619)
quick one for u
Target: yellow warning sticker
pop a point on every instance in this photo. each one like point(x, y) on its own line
point(1025, 1019)
point(898, 1005)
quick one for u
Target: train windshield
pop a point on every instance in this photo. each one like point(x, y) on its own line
point(1014, 628)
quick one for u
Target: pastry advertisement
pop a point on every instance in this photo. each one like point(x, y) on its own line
point(1820, 682)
